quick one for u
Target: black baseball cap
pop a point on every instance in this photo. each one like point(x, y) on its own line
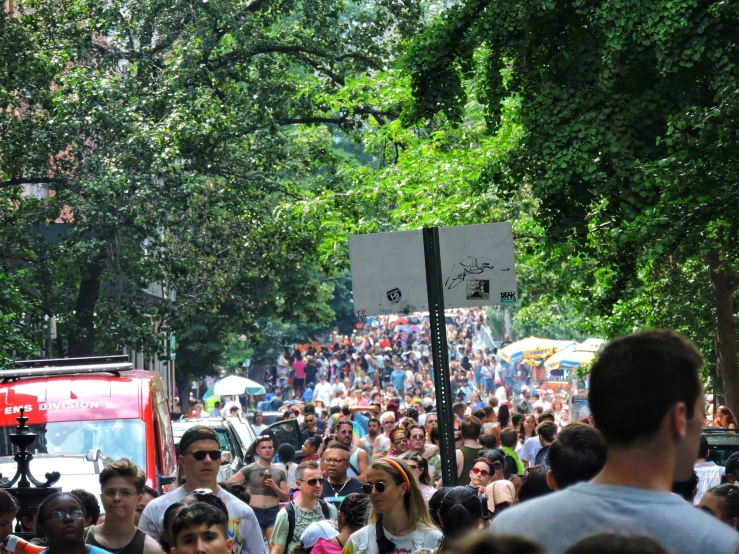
point(732, 463)
point(197, 433)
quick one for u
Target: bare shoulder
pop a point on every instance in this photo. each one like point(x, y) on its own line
point(151, 546)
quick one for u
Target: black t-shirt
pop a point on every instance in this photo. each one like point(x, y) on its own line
point(336, 493)
point(387, 372)
point(310, 373)
point(275, 404)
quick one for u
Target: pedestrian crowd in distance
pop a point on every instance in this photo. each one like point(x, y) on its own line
point(637, 478)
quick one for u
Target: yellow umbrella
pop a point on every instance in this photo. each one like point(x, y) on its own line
point(532, 348)
point(582, 354)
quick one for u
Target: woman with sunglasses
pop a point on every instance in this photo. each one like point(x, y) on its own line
point(722, 502)
point(400, 442)
point(61, 519)
point(420, 467)
point(398, 520)
point(483, 472)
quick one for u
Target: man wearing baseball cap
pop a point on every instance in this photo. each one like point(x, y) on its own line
point(200, 459)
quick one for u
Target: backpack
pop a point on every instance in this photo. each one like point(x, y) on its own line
point(290, 509)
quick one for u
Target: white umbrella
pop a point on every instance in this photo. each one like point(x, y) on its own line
point(235, 385)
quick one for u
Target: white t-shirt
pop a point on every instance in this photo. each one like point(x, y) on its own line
point(243, 526)
point(530, 449)
point(364, 541)
point(259, 428)
point(322, 392)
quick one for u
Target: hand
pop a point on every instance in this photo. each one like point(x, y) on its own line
point(269, 483)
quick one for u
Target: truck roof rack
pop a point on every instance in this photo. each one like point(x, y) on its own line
point(67, 366)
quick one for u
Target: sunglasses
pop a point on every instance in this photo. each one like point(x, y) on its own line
point(398, 441)
point(379, 487)
point(478, 471)
point(314, 482)
point(200, 455)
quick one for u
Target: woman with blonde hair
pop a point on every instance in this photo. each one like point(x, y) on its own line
point(398, 519)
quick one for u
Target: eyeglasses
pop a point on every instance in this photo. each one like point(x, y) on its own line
point(379, 487)
point(478, 471)
point(314, 482)
point(59, 515)
point(123, 493)
point(337, 461)
point(200, 455)
point(417, 437)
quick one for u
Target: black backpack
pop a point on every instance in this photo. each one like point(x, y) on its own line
point(290, 509)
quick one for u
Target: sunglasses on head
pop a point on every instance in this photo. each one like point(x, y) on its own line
point(200, 455)
point(379, 487)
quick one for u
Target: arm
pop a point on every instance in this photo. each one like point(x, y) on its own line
point(376, 448)
point(460, 463)
point(237, 477)
point(276, 548)
point(362, 462)
point(282, 492)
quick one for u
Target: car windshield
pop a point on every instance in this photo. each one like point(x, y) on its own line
point(115, 438)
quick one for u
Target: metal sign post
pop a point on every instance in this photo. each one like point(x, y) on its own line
point(440, 355)
point(410, 271)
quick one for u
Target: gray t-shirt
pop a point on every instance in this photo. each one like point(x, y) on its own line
point(558, 520)
point(243, 526)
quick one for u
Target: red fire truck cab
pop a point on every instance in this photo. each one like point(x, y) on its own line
point(87, 412)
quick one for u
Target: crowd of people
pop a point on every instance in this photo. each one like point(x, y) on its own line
point(636, 478)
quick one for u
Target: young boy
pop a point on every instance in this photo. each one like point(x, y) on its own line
point(201, 529)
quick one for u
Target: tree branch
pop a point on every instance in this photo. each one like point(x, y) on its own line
point(27, 181)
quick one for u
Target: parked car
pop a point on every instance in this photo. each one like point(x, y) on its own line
point(269, 417)
point(84, 412)
point(722, 443)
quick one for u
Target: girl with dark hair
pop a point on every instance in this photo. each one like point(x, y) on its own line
point(311, 446)
point(725, 419)
point(398, 519)
point(420, 467)
point(321, 538)
point(61, 518)
point(504, 421)
point(722, 502)
point(526, 430)
point(460, 512)
point(8, 511)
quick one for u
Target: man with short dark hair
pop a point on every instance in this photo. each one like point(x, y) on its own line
point(338, 484)
point(216, 409)
point(470, 449)
point(652, 441)
point(547, 431)
point(367, 442)
point(358, 459)
point(577, 454)
point(200, 528)
point(267, 484)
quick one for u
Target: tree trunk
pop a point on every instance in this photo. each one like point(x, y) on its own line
point(183, 386)
point(81, 341)
point(727, 365)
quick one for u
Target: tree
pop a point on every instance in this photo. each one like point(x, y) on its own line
point(169, 134)
point(627, 114)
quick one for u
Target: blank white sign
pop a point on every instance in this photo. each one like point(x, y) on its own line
point(389, 269)
point(388, 273)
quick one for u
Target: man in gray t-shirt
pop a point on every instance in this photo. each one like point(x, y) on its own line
point(200, 458)
point(652, 440)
